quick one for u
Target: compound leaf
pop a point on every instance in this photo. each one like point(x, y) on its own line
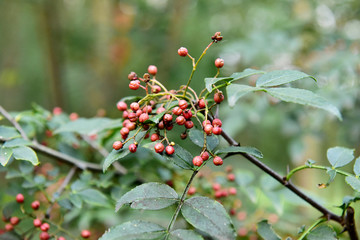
point(279, 77)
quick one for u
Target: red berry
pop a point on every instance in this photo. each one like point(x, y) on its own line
point(152, 69)
point(232, 212)
point(147, 109)
point(217, 130)
point(44, 236)
point(224, 193)
point(132, 147)
point(14, 220)
point(37, 222)
point(187, 113)
point(160, 110)
point(122, 106)
point(125, 114)
point(132, 117)
point(134, 85)
point(219, 63)
point(177, 111)
point(218, 194)
point(85, 233)
point(204, 123)
point(131, 126)
point(161, 125)
point(192, 190)
point(138, 112)
point(45, 227)
point(35, 205)
point(9, 227)
point(132, 76)
point(155, 89)
point(143, 117)
point(134, 106)
point(117, 145)
point(180, 120)
point(197, 161)
point(183, 52)
point(124, 131)
point(169, 150)
point(57, 110)
point(183, 135)
point(216, 122)
point(169, 126)
point(218, 97)
point(216, 186)
point(208, 129)
point(205, 156)
point(154, 137)
point(231, 177)
point(232, 191)
point(168, 117)
point(61, 238)
point(217, 161)
point(159, 147)
point(183, 104)
point(189, 124)
point(73, 116)
point(202, 103)
point(20, 198)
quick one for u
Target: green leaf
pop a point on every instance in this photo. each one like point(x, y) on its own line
point(113, 156)
point(76, 200)
point(266, 232)
point(5, 155)
point(246, 73)
point(279, 77)
point(8, 132)
point(340, 156)
point(182, 234)
point(209, 216)
point(151, 196)
point(86, 126)
point(210, 81)
point(17, 142)
point(134, 230)
point(94, 197)
point(197, 137)
point(353, 182)
point(357, 167)
point(303, 97)
point(27, 154)
point(236, 91)
point(321, 233)
point(130, 99)
point(332, 175)
point(236, 149)
point(244, 177)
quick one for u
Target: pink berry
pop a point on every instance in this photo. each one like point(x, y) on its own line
point(37, 222)
point(160, 110)
point(218, 161)
point(124, 131)
point(232, 191)
point(45, 227)
point(57, 111)
point(125, 114)
point(134, 85)
point(44, 236)
point(35, 205)
point(183, 52)
point(134, 106)
point(205, 156)
point(169, 150)
point(132, 76)
point(152, 69)
point(132, 147)
point(219, 63)
point(14, 220)
point(147, 109)
point(154, 137)
point(20, 198)
point(85, 233)
point(9, 227)
point(143, 117)
point(180, 120)
point(183, 104)
point(155, 89)
point(131, 126)
point(216, 186)
point(61, 238)
point(122, 106)
point(138, 112)
point(159, 147)
point(132, 117)
point(117, 145)
point(197, 161)
point(192, 190)
point(73, 116)
point(231, 177)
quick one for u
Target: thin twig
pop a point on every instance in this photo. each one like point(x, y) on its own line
point(13, 122)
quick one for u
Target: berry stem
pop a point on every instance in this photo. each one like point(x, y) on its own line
point(311, 228)
point(292, 172)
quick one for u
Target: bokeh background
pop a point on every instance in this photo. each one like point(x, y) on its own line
point(76, 54)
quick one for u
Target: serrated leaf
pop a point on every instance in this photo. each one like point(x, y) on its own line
point(357, 167)
point(210, 81)
point(340, 156)
point(94, 197)
point(5, 155)
point(182, 234)
point(236, 149)
point(151, 196)
point(353, 182)
point(279, 77)
point(304, 97)
point(16, 142)
point(134, 230)
point(209, 216)
point(266, 232)
point(27, 154)
point(321, 233)
point(86, 126)
point(246, 73)
point(8, 132)
point(197, 137)
point(236, 91)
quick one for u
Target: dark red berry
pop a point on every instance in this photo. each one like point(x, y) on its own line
point(183, 52)
point(9, 227)
point(143, 117)
point(219, 63)
point(154, 137)
point(168, 117)
point(183, 135)
point(180, 120)
point(35, 205)
point(122, 106)
point(217, 130)
point(218, 97)
point(14, 220)
point(205, 156)
point(155, 89)
point(208, 129)
point(134, 106)
point(37, 222)
point(197, 161)
point(189, 124)
point(45, 227)
point(192, 190)
point(202, 103)
point(177, 111)
point(134, 85)
point(20, 198)
point(117, 145)
point(169, 126)
point(161, 125)
point(218, 161)
point(183, 104)
point(132, 147)
point(152, 69)
point(232, 212)
point(217, 122)
point(85, 233)
point(44, 236)
point(187, 113)
point(169, 150)
point(159, 147)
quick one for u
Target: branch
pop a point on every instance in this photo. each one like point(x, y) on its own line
point(350, 223)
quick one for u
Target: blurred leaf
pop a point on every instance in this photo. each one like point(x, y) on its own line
point(310, 162)
point(303, 97)
point(182, 234)
point(5, 155)
point(94, 197)
point(27, 154)
point(210, 81)
point(332, 175)
point(340, 156)
point(10, 236)
point(246, 73)
point(266, 232)
point(279, 77)
point(8, 132)
point(86, 126)
point(209, 216)
point(134, 230)
point(321, 233)
point(76, 200)
point(197, 137)
point(347, 200)
point(353, 182)
point(236, 91)
point(244, 177)
point(151, 196)
point(9, 209)
point(357, 167)
point(17, 142)
point(236, 149)
point(130, 99)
